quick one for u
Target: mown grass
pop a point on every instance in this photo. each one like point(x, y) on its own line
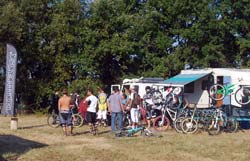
point(35, 141)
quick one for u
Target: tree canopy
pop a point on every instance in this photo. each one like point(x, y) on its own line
point(78, 44)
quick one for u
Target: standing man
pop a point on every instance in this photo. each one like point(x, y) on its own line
point(102, 107)
point(65, 114)
point(92, 103)
point(54, 105)
point(115, 108)
point(134, 106)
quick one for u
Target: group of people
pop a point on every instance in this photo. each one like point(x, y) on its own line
point(98, 107)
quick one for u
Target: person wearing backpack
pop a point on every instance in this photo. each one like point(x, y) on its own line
point(102, 108)
point(134, 106)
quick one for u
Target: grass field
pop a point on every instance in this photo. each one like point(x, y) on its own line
point(35, 141)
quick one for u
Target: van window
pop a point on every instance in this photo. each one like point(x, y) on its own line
point(189, 88)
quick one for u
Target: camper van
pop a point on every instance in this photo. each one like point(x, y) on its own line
point(139, 83)
point(195, 83)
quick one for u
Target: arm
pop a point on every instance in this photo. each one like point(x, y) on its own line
point(109, 108)
point(131, 100)
point(71, 103)
point(121, 106)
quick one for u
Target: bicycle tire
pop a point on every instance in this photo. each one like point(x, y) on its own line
point(50, 120)
point(178, 124)
point(157, 121)
point(213, 127)
point(77, 120)
point(215, 94)
point(232, 125)
point(239, 95)
point(189, 125)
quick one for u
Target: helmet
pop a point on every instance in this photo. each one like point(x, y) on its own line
point(177, 91)
point(147, 89)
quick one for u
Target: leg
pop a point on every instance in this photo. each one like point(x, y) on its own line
point(113, 116)
point(136, 117)
point(94, 123)
point(91, 128)
point(63, 123)
point(64, 129)
point(132, 114)
point(149, 115)
point(119, 120)
point(69, 124)
point(89, 120)
point(98, 117)
point(104, 116)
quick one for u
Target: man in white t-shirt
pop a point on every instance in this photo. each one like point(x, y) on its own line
point(92, 102)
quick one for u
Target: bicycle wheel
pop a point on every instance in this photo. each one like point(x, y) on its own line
point(204, 121)
point(189, 125)
point(77, 120)
point(213, 127)
point(53, 120)
point(232, 125)
point(242, 96)
point(178, 123)
point(217, 92)
point(159, 125)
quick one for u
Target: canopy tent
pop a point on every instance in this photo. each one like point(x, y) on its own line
point(183, 79)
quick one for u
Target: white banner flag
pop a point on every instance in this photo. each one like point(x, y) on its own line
point(10, 82)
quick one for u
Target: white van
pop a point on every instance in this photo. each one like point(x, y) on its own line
point(139, 83)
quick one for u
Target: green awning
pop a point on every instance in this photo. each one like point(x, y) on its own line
point(183, 79)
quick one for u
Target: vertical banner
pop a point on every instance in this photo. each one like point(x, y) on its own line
point(10, 81)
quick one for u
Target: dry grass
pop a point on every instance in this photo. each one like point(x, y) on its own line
point(35, 141)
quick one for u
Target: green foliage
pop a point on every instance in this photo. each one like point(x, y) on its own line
point(76, 44)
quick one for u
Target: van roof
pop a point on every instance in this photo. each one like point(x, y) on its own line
point(143, 80)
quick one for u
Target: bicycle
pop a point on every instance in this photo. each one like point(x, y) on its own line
point(173, 108)
point(189, 125)
point(131, 132)
point(53, 120)
point(242, 94)
point(220, 120)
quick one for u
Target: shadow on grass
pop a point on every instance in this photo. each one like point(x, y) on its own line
point(14, 146)
point(31, 127)
point(87, 132)
point(81, 133)
point(104, 132)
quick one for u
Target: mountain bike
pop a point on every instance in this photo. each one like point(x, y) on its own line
point(173, 108)
point(189, 125)
point(242, 93)
point(220, 121)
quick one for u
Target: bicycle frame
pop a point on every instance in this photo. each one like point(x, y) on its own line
point(228, 89)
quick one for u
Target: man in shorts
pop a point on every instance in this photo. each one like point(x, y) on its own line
point(65, 114)
point(102, 107)
point(134, 107)
point(92, 102)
